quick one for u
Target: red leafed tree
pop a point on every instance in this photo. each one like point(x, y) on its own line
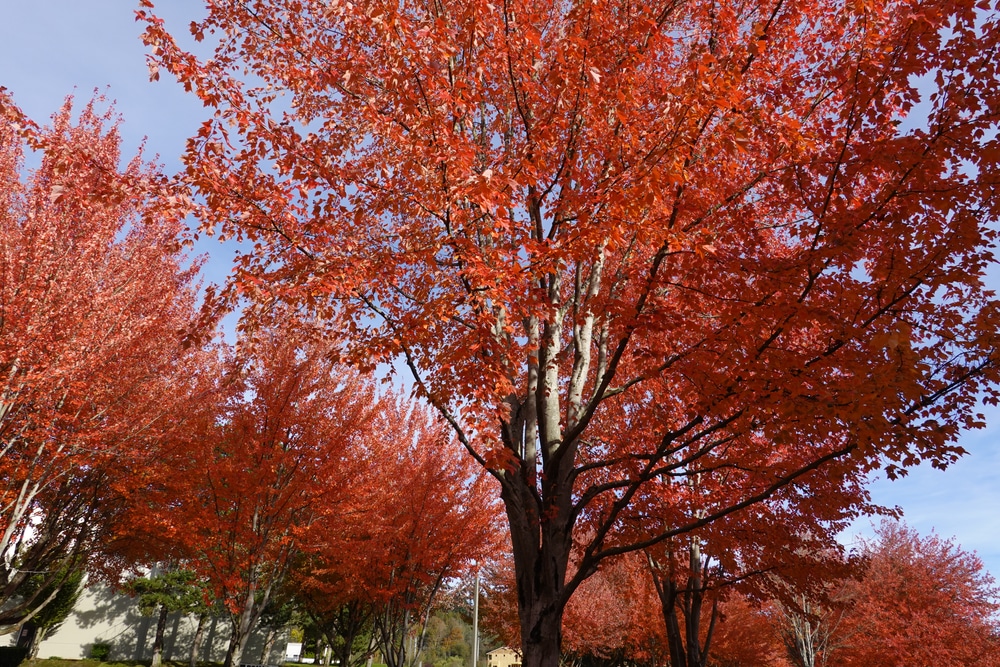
point(420, 514)
point(712, 219)
point(746, 636)
point(782, 547)
point(921, 601)
point(233, 501)
point(615, 619)
point(95, 293)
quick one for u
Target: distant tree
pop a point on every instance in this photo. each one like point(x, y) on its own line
point(745, 635)
point(348, 625)
point(615, 618)
point(419, 515)
point(447, 640)
point(165, 591)
point(919, 602)
point(289, 422)
point(811, 630)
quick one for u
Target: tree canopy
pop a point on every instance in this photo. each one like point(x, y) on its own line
point(620, 246)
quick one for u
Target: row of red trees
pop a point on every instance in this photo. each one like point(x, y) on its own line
point(271, 470)
point(129, 443)
point(94, 290)
point(899, 600)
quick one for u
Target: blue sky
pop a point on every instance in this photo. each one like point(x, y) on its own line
point(53, 48)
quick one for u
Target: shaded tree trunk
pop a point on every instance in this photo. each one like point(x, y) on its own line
point(242, 625)
point(348, 624)
point(161, 625)
point(541, 554)
point(244, 622)
point(269, 639)
point(687, 649)
point(199, 637)
point(36, 641)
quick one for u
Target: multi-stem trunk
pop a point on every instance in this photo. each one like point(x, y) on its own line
point(682, 605)
point(237, 642)
point(349, 623)
point(243, 623)
point(540, 506)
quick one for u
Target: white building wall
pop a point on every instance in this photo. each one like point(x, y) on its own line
point(103, 616)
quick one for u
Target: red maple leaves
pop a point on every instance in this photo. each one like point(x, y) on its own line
point(95, 292)
point(619, 245)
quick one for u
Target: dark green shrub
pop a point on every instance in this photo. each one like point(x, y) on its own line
point(100, 651)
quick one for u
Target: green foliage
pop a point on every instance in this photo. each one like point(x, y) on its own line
point(448, 641)
point(100, 651)
point(278, 613)
point(175, 590)
point(57, 610)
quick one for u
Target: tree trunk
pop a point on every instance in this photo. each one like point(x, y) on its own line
point(686, 647)
point(802, 634)
point(234, 654)
point(541, 554)
point(36, 642)
point(269, 639)
point(244, 622)
point(199, 637)
point(161, 625)
point(348, 624)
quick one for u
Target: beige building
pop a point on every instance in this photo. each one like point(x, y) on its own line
point(503, 657)
point(105, 617)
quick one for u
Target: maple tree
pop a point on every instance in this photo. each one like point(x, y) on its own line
point(811, 631)
point(782, 549)
point(919, 601)
point(619, 244)
point(421, 515)
point(95, 292)
point(229, 501)
point(745, 635)
point(614, 617)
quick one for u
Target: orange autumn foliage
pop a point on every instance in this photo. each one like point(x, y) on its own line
point(919, 602)
point(95, 294)
point(275, 447)
point(420, 515)
point(623, 244)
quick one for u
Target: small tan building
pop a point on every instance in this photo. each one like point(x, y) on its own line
point(503, 657)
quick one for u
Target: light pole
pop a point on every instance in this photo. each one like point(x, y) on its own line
point(475, 620)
